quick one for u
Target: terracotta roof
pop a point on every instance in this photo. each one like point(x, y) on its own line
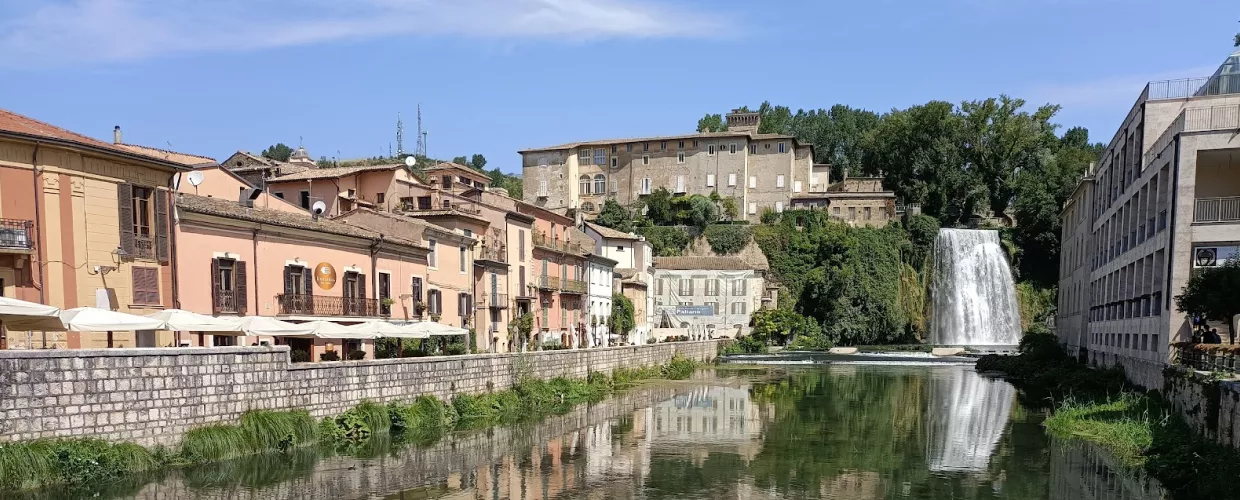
point(447, 165)
point(626, 272)
point(332, 173)
point(698, 135)
point(233, 210)
point(172, 156)
point(702, 263)
point(418, 223)
point(614, 234)
point(23, 125)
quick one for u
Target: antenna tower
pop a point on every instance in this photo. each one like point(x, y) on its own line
point(400, 137)
point(421, 151)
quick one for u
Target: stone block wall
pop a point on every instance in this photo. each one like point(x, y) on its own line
point(155, 396)
point(1210, 407)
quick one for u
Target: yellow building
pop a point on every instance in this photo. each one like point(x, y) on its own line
point(84, 223)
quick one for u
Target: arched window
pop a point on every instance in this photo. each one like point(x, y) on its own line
point(600, 184)
point(587, 207)
point(584, 182)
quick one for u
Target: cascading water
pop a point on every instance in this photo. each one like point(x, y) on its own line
point(965, 419)
point(973, 293)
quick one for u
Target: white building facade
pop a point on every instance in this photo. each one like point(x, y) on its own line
point(632, 254)
point(683, 286)
point(600, 271)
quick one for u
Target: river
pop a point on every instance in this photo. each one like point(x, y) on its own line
point(821, 431)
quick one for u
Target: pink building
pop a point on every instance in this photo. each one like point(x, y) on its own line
point(273, 259)
point(559, 254)
point(341, 189)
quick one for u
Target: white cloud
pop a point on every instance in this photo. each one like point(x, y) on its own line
point(125, 30)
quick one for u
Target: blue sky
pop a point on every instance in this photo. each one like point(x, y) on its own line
point(495, 76)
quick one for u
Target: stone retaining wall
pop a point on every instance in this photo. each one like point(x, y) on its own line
point(1210, 407)
point(154, 396)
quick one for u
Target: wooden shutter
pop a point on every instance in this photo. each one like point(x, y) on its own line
point(240, 288)
point(161, 225)
point(361, 286)
point(307, 281)
point(124, 207)
point(215, 285)
point(145, 284)
point(288, 281)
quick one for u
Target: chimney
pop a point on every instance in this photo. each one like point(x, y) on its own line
point(116, 134)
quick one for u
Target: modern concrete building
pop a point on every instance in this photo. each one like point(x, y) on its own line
point(1075, 259)
point(729, 286)
point(759, 171)
point(1166, 200)
point(634, 266)
point(860, 201)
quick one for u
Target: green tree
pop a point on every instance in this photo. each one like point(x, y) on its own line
point(712, 123)
point(461, 160)
point(774, 119)
point(922, 231)
point(730, 211)
point(781, 326)
point(1000, 139)
point(622, 321)
point(702, 212)
point(521, 328)
point(659, 207)
point(478, 161)
point(1211, 293)
point(615, 216)
point(278, 152)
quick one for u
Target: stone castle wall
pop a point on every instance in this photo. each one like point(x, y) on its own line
point(154, 396)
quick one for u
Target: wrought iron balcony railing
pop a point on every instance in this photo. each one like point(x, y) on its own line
point(321, 305)
point(16, 234)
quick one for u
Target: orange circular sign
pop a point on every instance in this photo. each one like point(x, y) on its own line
point(325, 276)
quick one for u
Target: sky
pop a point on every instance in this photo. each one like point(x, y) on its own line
point(497, 76)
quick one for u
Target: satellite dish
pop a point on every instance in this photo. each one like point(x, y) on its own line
point(318, 208)
point(410, 161)
point(195, 178)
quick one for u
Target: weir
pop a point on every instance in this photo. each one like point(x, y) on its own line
point(973, 294)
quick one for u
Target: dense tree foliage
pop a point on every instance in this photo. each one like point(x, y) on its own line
point(278, 152)
point(1211, 293)
point(780, 326)
point(478, 161)
point(615, 216)
point(712, 123)
point(621, 319)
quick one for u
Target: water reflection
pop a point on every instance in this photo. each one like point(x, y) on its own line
point(968, 414)
point(835, 432)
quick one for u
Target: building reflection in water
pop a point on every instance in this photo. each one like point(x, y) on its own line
point(965, 419)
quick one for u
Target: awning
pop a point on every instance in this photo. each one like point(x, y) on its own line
point(329, 330)
point(21, 315)
point(93, 319)
point(262, 325)
point(387, 329)
point(187, 321)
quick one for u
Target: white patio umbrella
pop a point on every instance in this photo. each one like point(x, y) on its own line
point(432, 328)
point(262, 325)
point(178, 319)
point(386, 329)
point(329, 330)
point(21, 315)
point(93, 319)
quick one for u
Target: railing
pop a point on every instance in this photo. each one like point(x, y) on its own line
point(573, 286)
point(818, 188)
point(144, 247)
point(549, 282)
point(224, 301)
point(16, 234)
point(493, 254)
point(320, 305)
point(493, 301)
point(1206, 357)
point(541, 240)
point(1217, 209)
point(1193, 87)
point(1212, 118)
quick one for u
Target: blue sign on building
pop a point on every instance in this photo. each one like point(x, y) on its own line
point(695, 310)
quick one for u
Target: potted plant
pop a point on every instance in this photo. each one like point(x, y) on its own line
point(329, 356)
point(419, 308)
point(387, 301)
point(435, 317)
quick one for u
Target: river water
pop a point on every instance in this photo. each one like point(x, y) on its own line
point(823, 431)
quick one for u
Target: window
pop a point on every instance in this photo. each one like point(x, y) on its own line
point(145, 284)
point(434, 302)
point(710, 150)
point(628, 148)
point(416, 288)
point(142, 211)
point(686, 286)
point(738, 308)
point(753, 208)
point(712, 287)
point(379, 197)
point(542, 188)
point(645, 146)
point(447, 182)
point(280, 194)
point(583, 183)
point(351, 193)
point(680, 157)
point(615, 187)
point(447, 204)
point(385, 292)
point(432, 257)
point(658, 286)
point(739, 288)
point(587, 207)
point(662, 145)
point(600, 157)
point(615, 162)
point(835, 210)
point(680, 183)
point(680, 145)
point(695, 144)
point(600, 184)
point(732, 148)
point(714, 307)
point(228, 291)
point(779, 207)
point(779, 181)
point(620, 248)
point(753, 182)
point(464, 307)
point(710, 180)
point(645, 159)
point(867, 213)
point(614, 149)
point(796, 186)
point(731, 180)
point(462, 257)
point(753, 149)
point(646, 186)
point(783, 148)
point(583, 156)
point(852, 213)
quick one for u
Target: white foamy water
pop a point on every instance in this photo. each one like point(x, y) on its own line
point(974, 296)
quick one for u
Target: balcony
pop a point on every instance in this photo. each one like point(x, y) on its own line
point(143, 247)
point(493, 255)
point(548, 283)
point(557, 245)
point(493, 301)
point(16, 236)
point(1217, 209)
point(1193, 87)
point(573, 286)
point(319, 305)
point(224, 302)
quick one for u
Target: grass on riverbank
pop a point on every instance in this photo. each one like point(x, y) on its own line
point(1138, 429)
point(39, 463)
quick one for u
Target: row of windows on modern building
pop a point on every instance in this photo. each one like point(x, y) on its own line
point(599, 156)
point(712, 286)
point(1139, 341)
point(1142, 216)
point(1132, 291)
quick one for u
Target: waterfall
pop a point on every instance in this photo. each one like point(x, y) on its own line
point(974, 296)
point(965, 419)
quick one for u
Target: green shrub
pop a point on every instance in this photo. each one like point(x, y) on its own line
point(299, 356)
point(666, 241)
point(679, 368)
point(214, 443)
point(726, 239)
point(456, 348)
point(810, 343)
point(329, 356)
point(357, 355)
point(745, 345)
